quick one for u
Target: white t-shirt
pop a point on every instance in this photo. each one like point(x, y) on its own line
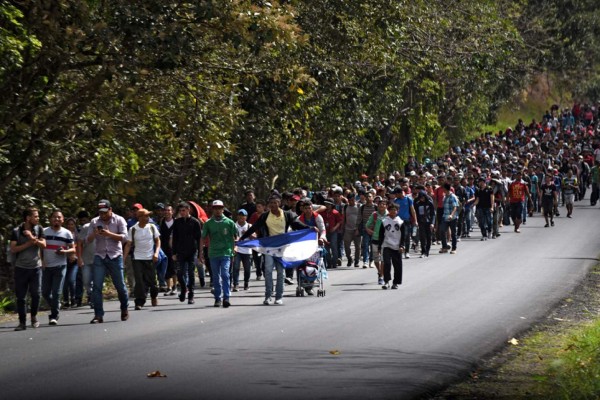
point(241, 230)
point(143, 241)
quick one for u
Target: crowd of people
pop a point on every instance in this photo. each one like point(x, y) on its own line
point(494, 181)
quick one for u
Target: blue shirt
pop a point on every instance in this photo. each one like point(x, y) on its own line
point(450, 201)
point(404, 207)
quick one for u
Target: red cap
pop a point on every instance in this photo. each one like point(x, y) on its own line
point(138, 206)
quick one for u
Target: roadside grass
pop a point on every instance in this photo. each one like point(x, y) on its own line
point(558, 359)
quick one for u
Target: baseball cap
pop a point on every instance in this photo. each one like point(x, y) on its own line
point(218, 203)
point(137, 206)
point(241, 211)
point(103, 205)
point(159, 206)
point(296, 197)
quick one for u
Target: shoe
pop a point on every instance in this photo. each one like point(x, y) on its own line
point(406, 255)
point(279, 302)
point(21, 327)
point(483, 238)
point(235, 289)
point(182, 297)
point(212, 290)
point(339, 262)
point(422, 255)
point(154, 302)
point(365, 265)
point(349, 262)
point(226, 303)
point(97, 320)
point(202, 284)
point(173, 292)
point(35, 323)
point(258, 278)
point(517, 231)
point(569, 216)
point(443, 251)
point(468, 235)
point(218, 303)
point(494, 236)
point(395, 286)
point(289, 281)
point(371, 264)
point(246, 286)
point(498, 234)
point(53, 321)
point(551, 223)
point(380, 281)
point(356, 266)
point(386, 286)
point(547, 225)
point(310, 292)
point(453, 252)
point(191, 301)
point(66, 306)
point(162, 289)
point(124, 315)
point(138, 308)
point(268, 301)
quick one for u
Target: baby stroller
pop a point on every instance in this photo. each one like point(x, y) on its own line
point(312, 272)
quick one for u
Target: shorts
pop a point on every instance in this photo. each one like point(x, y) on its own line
point(375, 252)
point(516, 210)
point(548, 207)
point(570, 199)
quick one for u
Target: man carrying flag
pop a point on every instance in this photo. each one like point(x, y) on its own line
point(274, 222)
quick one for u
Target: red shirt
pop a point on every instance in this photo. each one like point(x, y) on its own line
point(516, 192)
point(331, 219)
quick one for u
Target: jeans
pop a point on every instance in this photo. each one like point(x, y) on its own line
point(113, 267)
point(484, 217)
point(259, 263)
point(27, 280)
point(245, 260)
point(87, 273)
point(333, 248)
point(70, 284)
point(145, 279)
point(220, 275)
point(425, 237)
point(444, 228)
point(185, 275)
point(270, 265)
point(407, 226)
point(366, 246)
point(161, 270)
point(53, 279)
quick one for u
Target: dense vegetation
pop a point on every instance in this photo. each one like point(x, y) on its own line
point(161, 100)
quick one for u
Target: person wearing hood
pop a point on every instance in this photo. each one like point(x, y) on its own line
point(425, 210)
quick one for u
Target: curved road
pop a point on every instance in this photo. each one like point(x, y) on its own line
point(450, 311)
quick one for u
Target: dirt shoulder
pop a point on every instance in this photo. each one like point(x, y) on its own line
point(517, 371)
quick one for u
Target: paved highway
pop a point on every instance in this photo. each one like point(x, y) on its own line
point(357, 342)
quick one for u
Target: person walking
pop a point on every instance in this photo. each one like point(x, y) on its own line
point(26, 242)
point(187, 234)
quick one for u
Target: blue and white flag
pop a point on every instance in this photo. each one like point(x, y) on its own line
point(292, 248)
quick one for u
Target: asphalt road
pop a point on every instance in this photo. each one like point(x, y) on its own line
point(450, 311)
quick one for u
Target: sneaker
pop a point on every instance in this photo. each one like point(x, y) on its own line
point(406, 255)
point(137, 308)
point(246, 286)
point(289, 281)
point(310, 292)
point(395, 286)
point(551, 223)
point(191, 301)
point(173, 292)
point(226, 303)
point(483, 238)
point(422, 255)
point(569, 216)
point(365, 265)
point(124, 315)
point(268, 301)
point(386, 286)
point(453, 252)
point(349, 262)
point(371, 264)
point(235, 289)
point(21, 327)
point(517, 231)
point(547, 225)
point(443, 251)
point(35, 323)
point(97, 320)
point(356, 266)
point(182, 297)
point(279, 302)
point(258, 278)
point(53, 321)
point(218, 303)
point(339, 262)
point(380, 281)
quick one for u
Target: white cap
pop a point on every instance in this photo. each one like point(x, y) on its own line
point(218, 203)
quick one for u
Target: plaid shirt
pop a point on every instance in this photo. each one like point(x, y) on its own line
point(450, 201)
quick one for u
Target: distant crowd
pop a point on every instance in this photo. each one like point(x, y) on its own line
point(496, 180)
